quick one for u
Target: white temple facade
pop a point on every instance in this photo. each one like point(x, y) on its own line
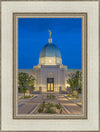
point(50, 73)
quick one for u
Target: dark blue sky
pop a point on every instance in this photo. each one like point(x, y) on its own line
point(33, 35)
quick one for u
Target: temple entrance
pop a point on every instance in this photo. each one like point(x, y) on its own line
point(50, 84)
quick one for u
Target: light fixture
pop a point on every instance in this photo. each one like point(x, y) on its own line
point(50, 61)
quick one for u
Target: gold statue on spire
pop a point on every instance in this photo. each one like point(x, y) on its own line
point(49, 33)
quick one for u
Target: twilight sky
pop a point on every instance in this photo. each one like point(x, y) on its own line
point(33, 35)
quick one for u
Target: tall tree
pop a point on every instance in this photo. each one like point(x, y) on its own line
point(75, 80)
point(71, 81)
point(22, 81)
point(78, 80)
point(31, 82)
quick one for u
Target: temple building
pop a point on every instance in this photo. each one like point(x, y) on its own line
point(50, 73)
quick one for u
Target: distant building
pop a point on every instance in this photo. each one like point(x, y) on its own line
point(50, 73)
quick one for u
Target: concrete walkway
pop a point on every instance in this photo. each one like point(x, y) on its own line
point(29, 105)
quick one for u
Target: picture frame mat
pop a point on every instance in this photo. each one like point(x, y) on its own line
point(93, 68)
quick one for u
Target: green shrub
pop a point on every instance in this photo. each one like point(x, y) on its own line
point(21, 97)
point(80, 90)
point(77, 96)
point(48, 107)
point(72, 97)
point(68, 95)
point(40, 110)
point(43, 104)
point(50, 96)
point(50, 104)
point(47, 96)
point(27, 97)
point(53, 96)
point(58, 106)
point(49, 110)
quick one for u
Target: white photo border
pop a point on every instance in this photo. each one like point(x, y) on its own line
point(10, 124)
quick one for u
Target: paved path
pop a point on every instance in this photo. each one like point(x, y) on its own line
point(69, 106)
point(29, 105)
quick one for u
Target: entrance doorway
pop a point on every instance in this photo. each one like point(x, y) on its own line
point(50, 84)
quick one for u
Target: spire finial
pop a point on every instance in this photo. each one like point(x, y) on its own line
point(50, 39)
point(49, 33)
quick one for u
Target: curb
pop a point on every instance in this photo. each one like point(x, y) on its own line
point(19, 105)
point(73, 102)
point(33, 97)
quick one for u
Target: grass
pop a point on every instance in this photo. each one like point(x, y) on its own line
point(27, 97)
point(72, 97)
point(22, 97)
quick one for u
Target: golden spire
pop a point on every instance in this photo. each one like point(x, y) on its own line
point(49, 33)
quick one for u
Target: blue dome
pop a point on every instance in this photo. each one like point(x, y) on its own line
point(50, 50)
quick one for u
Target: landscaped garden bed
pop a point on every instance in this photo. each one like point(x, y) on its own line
point(50, 108)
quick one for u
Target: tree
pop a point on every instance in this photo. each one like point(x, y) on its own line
point(78, 80)
point(71, 81)
point(22, 81)
point(25, 81)
point(30, 82)
point(75, 80)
